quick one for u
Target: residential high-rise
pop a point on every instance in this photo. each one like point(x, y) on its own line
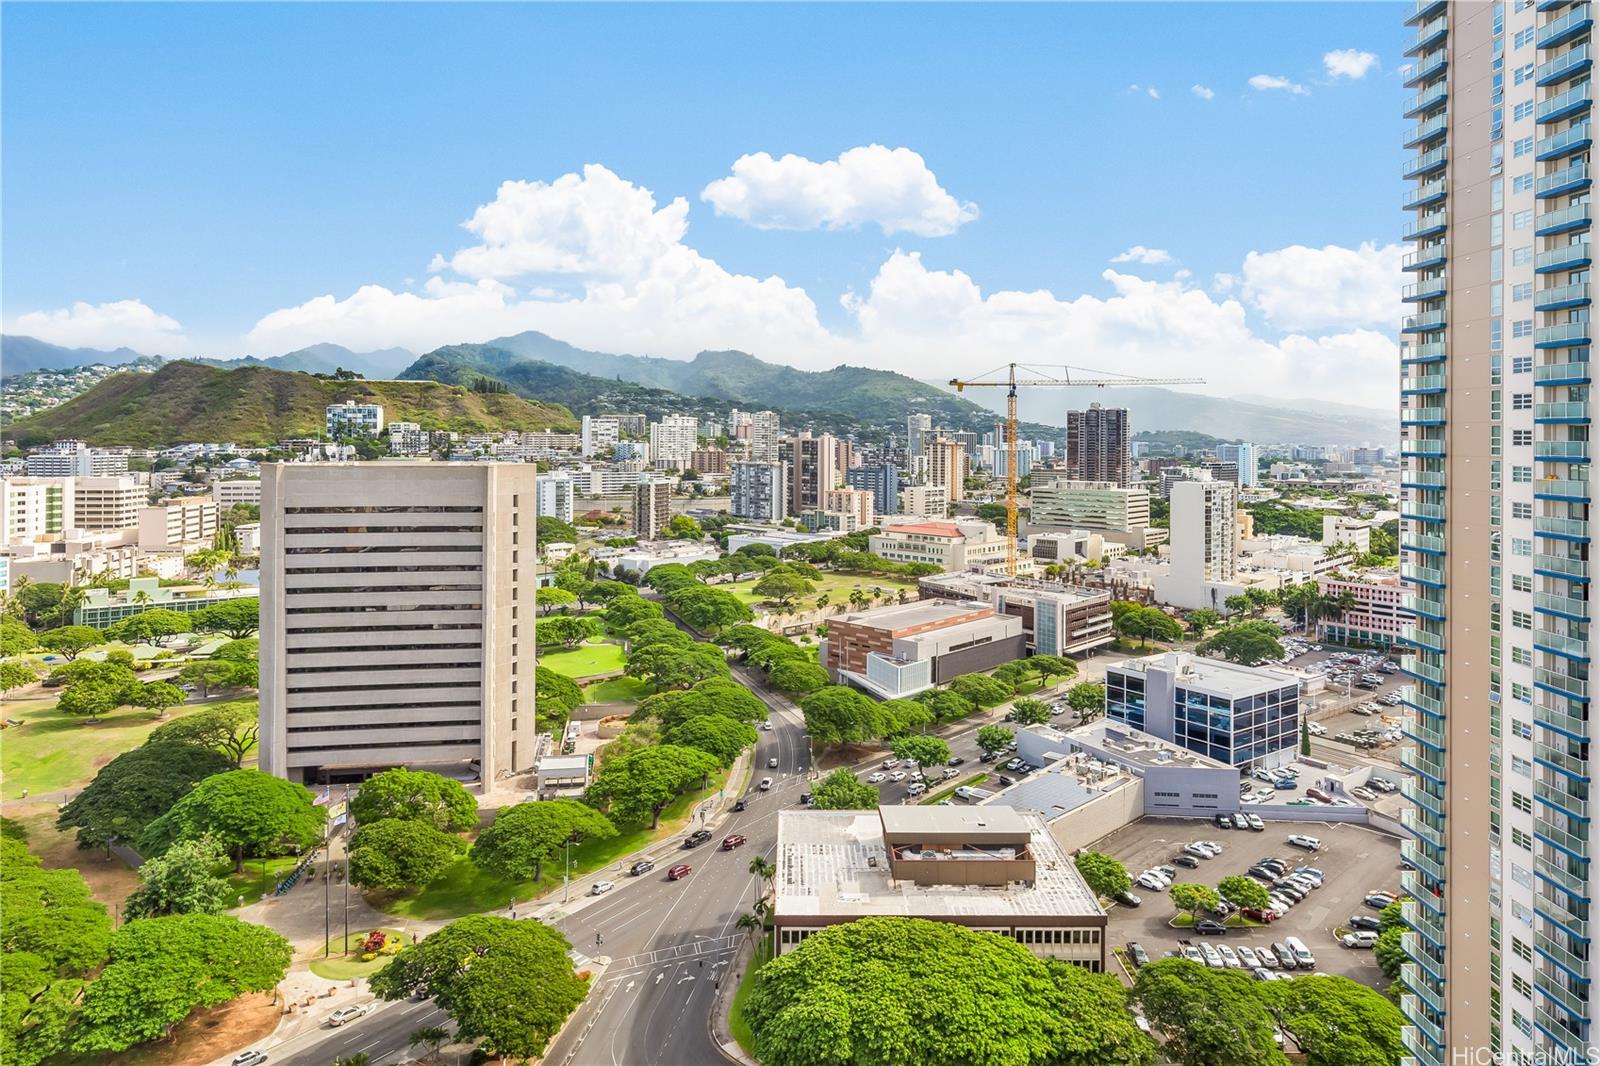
point(855, 502)
point(556, 496)
point(1204, 541)
point(35, 509)
point(394, 599)
point(1097, 444)
point(672, 441)
point(813, 469)
point(106, 502)
point(919, 428)
point(1222, 470)
point(758, 491)
point(765, 436)
point(947, 467)
point(599, 435)
point(1495, 491)
point(1246, 458)
point(883, 481)
point(652, 507)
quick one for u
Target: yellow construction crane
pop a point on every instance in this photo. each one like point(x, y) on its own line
point(1035, 375)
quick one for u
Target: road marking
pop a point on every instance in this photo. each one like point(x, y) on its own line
point(686, 977)
point(630, 985)
point(660, 975)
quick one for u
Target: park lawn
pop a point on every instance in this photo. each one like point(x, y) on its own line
point(260, 877)
point(465, 889)
point(617, 690)
point(345, 964)
point(51, 751)
point(837, 586)
point(736, 1023)
point(586, 660)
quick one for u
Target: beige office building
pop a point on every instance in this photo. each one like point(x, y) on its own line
point(183, 523)
point(106, 502)
point(397, 606)
point(947, 467)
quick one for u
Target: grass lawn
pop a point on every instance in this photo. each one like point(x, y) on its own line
point(343, 967)
point(1232, 921)
point(837, 586)
point(736, 1023)
point(586, 660)
point(52, 751)
point(617, 690)
point(260, 877)
point(465, 889)
point(946, 793)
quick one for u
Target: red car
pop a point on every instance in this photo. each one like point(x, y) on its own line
point(1266, 914)
point(731, 842)
point(679, 871)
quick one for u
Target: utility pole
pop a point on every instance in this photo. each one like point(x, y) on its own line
point(327, 872)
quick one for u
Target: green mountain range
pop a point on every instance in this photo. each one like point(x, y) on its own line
point(255, 405)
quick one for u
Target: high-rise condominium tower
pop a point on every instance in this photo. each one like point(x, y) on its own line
point(1097, 444)
point(1495, 537)
point(397, 604)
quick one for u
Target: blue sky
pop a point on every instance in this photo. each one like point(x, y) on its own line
point(173, 175)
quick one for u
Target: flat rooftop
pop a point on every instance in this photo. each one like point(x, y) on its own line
point(1052, 792)
point(1216, 676)
point(916, 613)
point(917, 818)
point(972, 583)
point(835, 863)
point(1132, 747)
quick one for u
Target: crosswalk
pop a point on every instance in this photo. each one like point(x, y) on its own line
point(678, 952)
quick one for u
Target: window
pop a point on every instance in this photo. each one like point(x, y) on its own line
point(1522, 219)
point(1522, 292)
point(1522, 401)
point(1521, 950)
point(1521, 839)
point(1520, 583)
point(1523, 38)
point(1522, 74)
point(1522, 437)
point(1524, 255)
point(1521, 475)
point(1521, 620)
point(1522, 110)
point(1521, 802)
point(1521, 547)
point(1521, 693)
point(1522, 327)
point(1522, 364)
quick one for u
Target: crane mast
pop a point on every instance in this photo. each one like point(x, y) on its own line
point(1009, 382)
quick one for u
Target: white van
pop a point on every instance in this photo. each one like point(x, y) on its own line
point(969, 792)
point(1302, 954)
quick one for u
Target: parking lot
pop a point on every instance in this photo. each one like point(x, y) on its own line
point(1354, 860)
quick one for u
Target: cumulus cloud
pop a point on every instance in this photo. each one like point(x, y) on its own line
point(109, 325)
point(891, 188)
point(1266, 83)
point(599, 262)
point(1348, 63)
point(1301, 288)
point(1202, 91)
point(1140, 254)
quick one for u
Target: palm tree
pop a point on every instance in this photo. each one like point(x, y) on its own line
point(903, 596)
point(765, 871)
point(750, 923)
point(822, 601)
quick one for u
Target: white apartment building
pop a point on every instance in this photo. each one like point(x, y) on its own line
point(766, 436)
point(236, 490)
point(965, 544)
point(1244, 455)
point(409, 438)
point(182, 523)
point(919, 429)
point(1377, 615)
point(556, 496)
point(1121, 514)
point(1342, 529)
point(1204, 544)
point(599, 435)
point(351, 419)
point(247, 538)
point(672, 441)
point(759, 491)
point(393, 599)
point(927, 501)
point(36, 509)
point(74, 458)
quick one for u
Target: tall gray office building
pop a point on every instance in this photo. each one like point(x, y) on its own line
point(1495, 441)
point(1098, 444)
point(393, 602)
point(882, 480)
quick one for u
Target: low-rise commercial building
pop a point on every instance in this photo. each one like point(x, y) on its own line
point(1074, 545)
point(103, 607)
point(1239, 715)
point(1056, 619)
point(965, 544)
point(1377, 614)
point(229, 491)
point(902, 650)
point(1342, 529)
point(74, 458)
point(409, 439)
point(986, 868)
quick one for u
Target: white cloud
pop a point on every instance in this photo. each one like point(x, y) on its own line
point(1332, 287)
point(1274, 83)
point(1148, 90)
point(109, 325)
point(1140, 254)
point(870, 185)
point(1349, 63)
point(1202, 91)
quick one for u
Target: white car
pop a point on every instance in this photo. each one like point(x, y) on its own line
point(1212, 956)
point(1216, 848)
point(1153, 882)
point(600, 888)
point(345, 1015)
point(917, 788)
point(951, 771)
point(1199, 852)
point(1317, 729)
point(897, 775)
point(877, 777)
point(1361, 938)
point(1300, 840)
point(1229, 958)
point(1247, 956)
point(890, 764)
point(766, 725)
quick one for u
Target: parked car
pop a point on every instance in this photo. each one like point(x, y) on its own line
point(1363, 793)
point(951, 771)
point(1316, 729)
point(1265, 915)
point(916, 788)
point(897, 775)
point(1187, 861)
point(766, 784)
point(1302, 954)
point(1241, 822)
point(1285, 784)
point(1005, 782)
point(1207, 927)
point(1152, 881)
point(1382, 784)
point(1192, 953)
point(890, 764)
point(345, 1015)
point(1309, 871)
point(1225, 822)
point(679, 872)
point(1378, 900)
point(1169, 872)
point(1286, 957)
point(1319, 795)
point(1364, 923)
point(877, 777)
point(733, 840)
point(1261, 973)
point(1127, 899)
point(249, 1058)
point(1138, 955)
point(642, 867)
point(1015, 764)
point(1300, 840)
point(1212, 957)
point(1247, 957)
point(1199, 852)
point(954, 760)
point(600, 888)
point(696, 838)
point(1256, 823)
point(1230, 958)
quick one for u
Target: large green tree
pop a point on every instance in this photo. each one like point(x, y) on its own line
point(641, 783)
point(15, 638)
point(797, 677)
point(155, 626)
point(1244, 892)
point(1246, 643)
point(1087, 699)
point(1097, 1027)
point(783, 588)
point(981, 689)
point(1336, 1021)
point(522, 838)
point(249, 813)
point(707, 609)
point(37, 1006)
point(181, 881)
point(415, 795)
point(887, 991)
point(923, 750)
point(838, 714)
point(1030, 712)
point(397, 854)
point(136, 788)
point(567, 631)
point(235, 619)
point(1192, 897)
point(723, 737)
point(161, 969)
point(1209, 1017)
point(16, 675)
point(49, 913)
point(991, 738)
point(843, 791)
point(71, 641)
point(670, 666)
point(1104, 873)
point(228, 728)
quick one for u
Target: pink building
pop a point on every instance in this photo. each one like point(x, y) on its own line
point(1379, 613)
